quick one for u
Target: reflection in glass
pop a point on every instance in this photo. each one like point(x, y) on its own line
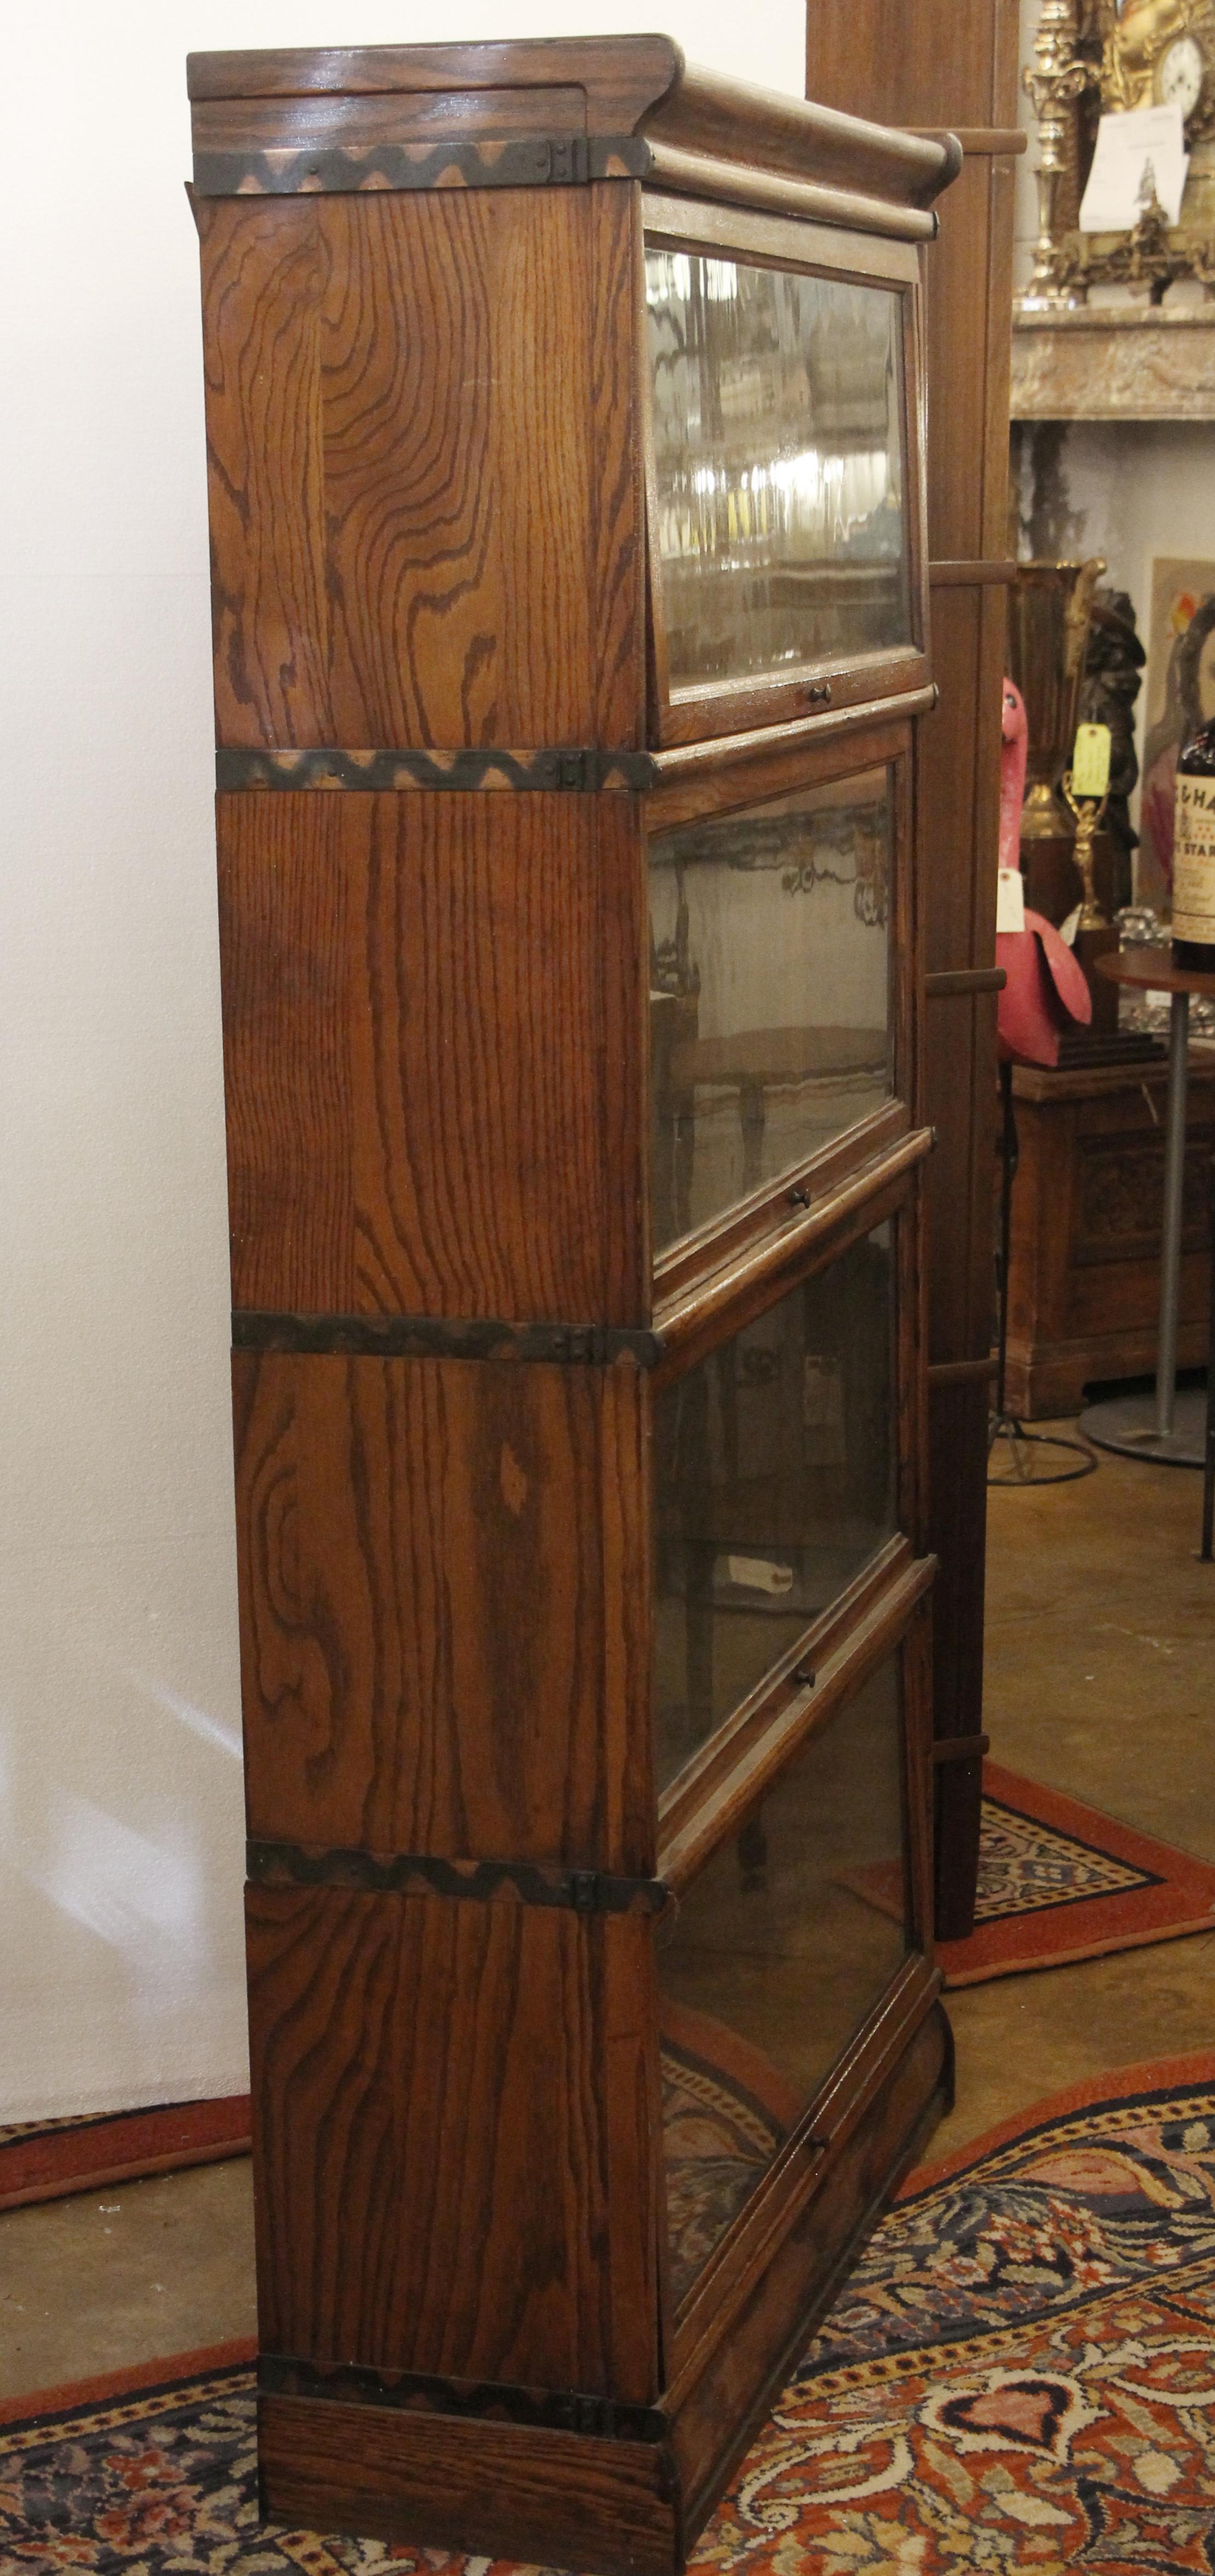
point(775, 1956)
point(781, 533)
point(774, 1483)
point(769, 990)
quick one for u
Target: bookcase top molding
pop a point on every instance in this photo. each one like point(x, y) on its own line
point(535, 111)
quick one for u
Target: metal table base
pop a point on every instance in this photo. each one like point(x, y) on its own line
point(1129, 1424)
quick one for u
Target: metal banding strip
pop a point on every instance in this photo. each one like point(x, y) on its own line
point(533, 161)
point(580, 1891)
point(443, 1337)
point(577, 771)
point(567, 2411)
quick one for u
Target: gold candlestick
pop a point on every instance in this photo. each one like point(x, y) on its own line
point(1055, 77)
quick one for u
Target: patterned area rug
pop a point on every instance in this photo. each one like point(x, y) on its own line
point(1020, 2376)
point(46, 2159)
point(1058, 1881)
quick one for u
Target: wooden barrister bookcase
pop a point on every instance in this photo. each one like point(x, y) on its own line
point(565, 437)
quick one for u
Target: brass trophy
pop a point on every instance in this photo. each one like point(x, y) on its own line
point(1049, 611)
point(1088, 812)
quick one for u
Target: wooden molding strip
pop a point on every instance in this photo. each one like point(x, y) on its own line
point(583, 771)
point(977, 140)
point(961, 1372)
point(961, 1748)
point(583, 1891)
point(563, 2410)
point(722, 749)
point(697, 174)
point(964, 979)
point(693, 1319)
point(694, 1820)
point(442, 1337)
point(956, 573)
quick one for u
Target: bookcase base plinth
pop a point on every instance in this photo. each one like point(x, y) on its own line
point(614, 2507)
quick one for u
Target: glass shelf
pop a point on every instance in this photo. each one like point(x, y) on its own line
point(780, 536)
point(774, 1484)
point(770, 990)
point(775, 1957)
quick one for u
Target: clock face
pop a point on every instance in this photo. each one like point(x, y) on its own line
point(1179, 74)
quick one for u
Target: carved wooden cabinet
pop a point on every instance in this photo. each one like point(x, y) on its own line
point(1087, 1216)
point(564, 427)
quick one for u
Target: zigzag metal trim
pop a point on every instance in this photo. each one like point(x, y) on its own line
point(579, 771)
point(566, 2411)
point(582, 1891)
point(442, 1337)
point(535, 161)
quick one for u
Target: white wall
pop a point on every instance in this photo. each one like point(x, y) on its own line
point(120, 1825)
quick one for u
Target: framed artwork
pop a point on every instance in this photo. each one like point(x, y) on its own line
point(1180, 697)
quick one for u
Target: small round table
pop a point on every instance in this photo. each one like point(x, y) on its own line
point(1166, 1427)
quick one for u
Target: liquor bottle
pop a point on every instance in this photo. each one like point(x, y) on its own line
point(1194, 854)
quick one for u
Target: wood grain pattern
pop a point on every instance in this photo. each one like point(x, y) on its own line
point(625, 81)
point(402, 413)
point(386, 1511)
point(408, 1140)
point(619, 77)
point(452, 2154)
point(552, 2499)
point(265, 471)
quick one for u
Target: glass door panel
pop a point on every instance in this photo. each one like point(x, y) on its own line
point(774, 1483)
point(770, 990)
point(781, 534)
point(774, 1958)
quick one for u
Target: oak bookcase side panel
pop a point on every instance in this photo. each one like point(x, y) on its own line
point(444, 1586)
point(453, 2162)
point(403, 1140)
point(548, 2499)
point(261, 270)
point(404, 395)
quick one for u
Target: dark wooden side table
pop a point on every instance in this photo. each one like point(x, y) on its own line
point(1162, 1427)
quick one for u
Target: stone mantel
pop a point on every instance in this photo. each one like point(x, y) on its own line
point(1120, 363)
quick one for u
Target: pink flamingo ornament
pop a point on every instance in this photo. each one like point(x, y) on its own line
point(1045, 987)
point(1014, 752)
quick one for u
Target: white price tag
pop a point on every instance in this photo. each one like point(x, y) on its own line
point(758, 1574)
point(1010, 900)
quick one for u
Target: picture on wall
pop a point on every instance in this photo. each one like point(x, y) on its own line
point(1180, 697)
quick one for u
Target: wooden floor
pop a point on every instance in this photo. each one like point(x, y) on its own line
point(1099, 1629)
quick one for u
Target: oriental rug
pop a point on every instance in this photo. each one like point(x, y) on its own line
point(1018, 2379)
point(47, 2159)
point(1058, 1882)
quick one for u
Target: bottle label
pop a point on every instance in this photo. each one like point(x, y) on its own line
point(1194, 861)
